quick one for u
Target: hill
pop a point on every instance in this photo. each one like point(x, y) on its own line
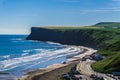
point(107, 40)
point(108, 24)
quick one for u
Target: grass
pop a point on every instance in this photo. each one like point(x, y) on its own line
point(108, 24)
point(108, 41)
point(104, 38)
point(109, 64)
point(62, 28)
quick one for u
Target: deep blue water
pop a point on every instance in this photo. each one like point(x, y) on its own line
point(18, 55)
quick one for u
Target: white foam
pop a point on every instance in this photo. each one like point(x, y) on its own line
point(53, 43)
point(24, 54)
point(39, 49)
point(26, 51)
point(11, 63)
point(6, 56)
point(16, 39)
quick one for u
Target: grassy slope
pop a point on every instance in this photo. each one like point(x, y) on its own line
point(109, 42)
point(108, 24)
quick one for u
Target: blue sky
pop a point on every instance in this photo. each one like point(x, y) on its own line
point(18, 16)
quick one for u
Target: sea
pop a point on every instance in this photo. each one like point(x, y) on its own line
point(19, 56)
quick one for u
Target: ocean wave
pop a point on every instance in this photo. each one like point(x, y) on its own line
point(6, 56)
point(17, 39)
point(41, 57)
point(24, 54)
point(53, 43)
point(26, 51)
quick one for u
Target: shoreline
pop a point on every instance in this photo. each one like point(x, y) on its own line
point(55, 68)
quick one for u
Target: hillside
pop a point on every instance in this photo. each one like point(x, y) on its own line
point(105, 39)
point(108, 24)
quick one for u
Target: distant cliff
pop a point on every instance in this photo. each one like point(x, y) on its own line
point(108, 24)
point(106, 40)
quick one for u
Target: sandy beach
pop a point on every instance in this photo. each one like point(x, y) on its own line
point(54, 71)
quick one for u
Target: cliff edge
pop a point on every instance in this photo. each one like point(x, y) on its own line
point(107, 40)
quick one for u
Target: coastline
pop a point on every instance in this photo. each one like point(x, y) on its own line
point(58, 69)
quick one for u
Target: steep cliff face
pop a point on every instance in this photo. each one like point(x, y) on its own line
point(43, 34)
point(86, 37)
point(71, 37)
point(106, 40)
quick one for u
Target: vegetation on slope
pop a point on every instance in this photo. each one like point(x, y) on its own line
point(108, 42)
point(106, 39)
point(109, 64)
point(108, 24)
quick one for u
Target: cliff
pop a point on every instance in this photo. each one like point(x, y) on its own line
point(108, 24)
point(106, 40)
point(71, 37)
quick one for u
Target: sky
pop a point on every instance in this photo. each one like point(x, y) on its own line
point(18, 16)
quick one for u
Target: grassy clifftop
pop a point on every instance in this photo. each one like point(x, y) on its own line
point(108, 24)
point(107, 40)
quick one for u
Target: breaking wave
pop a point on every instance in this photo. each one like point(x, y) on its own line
point(35, 59)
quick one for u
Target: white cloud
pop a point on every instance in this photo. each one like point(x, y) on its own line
point(87, 11)
point(112, 9)
point(116, 2)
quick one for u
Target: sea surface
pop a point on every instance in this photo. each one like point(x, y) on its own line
point(18, 56)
